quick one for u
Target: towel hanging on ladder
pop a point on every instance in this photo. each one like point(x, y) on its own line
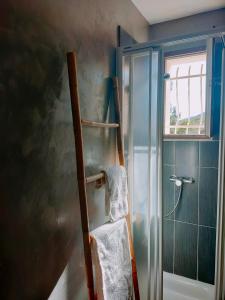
point(112, 261)
point(116, 192)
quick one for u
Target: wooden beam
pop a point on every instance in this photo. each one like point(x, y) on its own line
point(98, 124)
point(95, 178)
point(71, 61)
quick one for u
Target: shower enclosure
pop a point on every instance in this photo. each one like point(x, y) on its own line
point(165, 271)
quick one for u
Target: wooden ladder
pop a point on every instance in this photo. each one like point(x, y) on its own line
point(78, 123)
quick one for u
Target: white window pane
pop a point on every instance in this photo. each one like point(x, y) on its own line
point(204, 92)
point(185, 94)
point(204, 68)
point(183, 98)
point(196, 64)
point(183, 69)
point(172, 71)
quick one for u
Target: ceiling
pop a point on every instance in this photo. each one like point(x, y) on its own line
point(156, 11)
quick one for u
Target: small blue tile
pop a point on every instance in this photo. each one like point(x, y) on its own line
point(186, 153)
point(187, 158)
point(206, 254)
point(168, 242)
point(209, 152)
point(185, 263)
point(169, 152)
point(208, 196)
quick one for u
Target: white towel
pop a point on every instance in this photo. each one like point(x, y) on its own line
point(116, 192)
point(112, 261)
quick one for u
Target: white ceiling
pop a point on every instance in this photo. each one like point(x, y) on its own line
point(156, 11)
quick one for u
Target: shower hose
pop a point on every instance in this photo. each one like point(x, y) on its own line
point(179, 183)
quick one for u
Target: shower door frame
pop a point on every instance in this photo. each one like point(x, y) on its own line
point(220, 234)
point(220, 242)
point(154, 241)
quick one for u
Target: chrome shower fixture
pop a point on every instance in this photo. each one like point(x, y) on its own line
point(180, 180)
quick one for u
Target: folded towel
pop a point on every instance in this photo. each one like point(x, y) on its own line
point(112, 261)
point(116, 192)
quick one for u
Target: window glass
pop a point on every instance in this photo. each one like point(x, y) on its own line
point(185, 94)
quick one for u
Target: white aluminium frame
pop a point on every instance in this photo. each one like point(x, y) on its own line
point(154, 214)
point(220, 241)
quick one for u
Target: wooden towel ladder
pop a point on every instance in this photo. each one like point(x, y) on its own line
point(78, 123)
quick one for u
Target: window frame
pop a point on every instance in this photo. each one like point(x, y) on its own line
point(188, 49)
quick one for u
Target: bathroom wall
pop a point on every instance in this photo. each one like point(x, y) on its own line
point(40, 229)
point(199, 24)
point(189, 235)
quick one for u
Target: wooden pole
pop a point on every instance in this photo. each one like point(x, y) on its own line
point(71, 60)
point(94, 178)
point(98, 124)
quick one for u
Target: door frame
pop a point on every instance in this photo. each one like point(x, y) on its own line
point(220, 241)
point(155, 240)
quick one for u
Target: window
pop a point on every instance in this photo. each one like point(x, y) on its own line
point(187, 105)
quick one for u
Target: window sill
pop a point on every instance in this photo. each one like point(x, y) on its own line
point(187, 138)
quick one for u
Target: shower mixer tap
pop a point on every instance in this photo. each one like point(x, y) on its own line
point(180, 180)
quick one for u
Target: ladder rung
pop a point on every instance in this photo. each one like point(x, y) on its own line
point(94, 178)
point(98, 124)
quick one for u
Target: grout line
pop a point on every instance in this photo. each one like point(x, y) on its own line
point(169, 165)
point(174, 195)
point(208, 168)
point(173, 165)
point(199, 158)
point(188, 223)
point(206, 226)
point(174, 248)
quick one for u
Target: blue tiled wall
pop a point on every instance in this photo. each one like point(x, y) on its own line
point(189, 234)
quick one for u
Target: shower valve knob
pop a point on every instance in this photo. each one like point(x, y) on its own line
point(178, 182)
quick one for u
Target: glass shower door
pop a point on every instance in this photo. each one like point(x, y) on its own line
point(141, 114)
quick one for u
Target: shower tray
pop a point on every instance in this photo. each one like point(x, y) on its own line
point(181, 288)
